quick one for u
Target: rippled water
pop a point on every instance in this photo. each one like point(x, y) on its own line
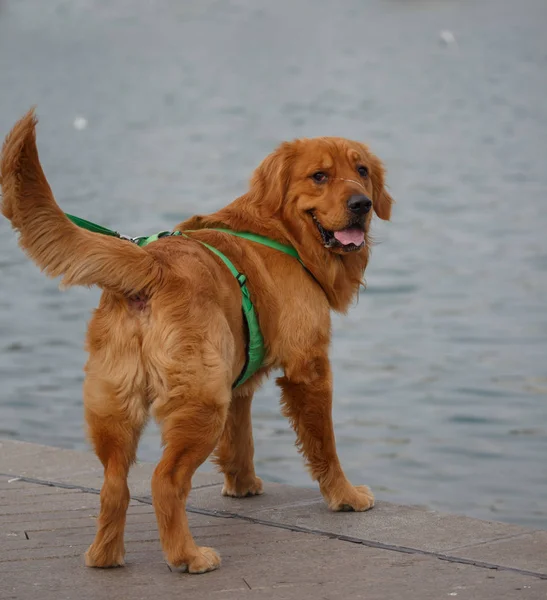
point(440, 368)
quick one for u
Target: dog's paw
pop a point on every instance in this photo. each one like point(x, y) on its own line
point(358, 498)
point(104, 558)
point(242, 489)
point(206, 559)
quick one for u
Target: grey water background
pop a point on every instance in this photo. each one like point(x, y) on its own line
point(440, 368)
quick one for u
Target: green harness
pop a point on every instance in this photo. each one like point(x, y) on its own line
point(255, 342)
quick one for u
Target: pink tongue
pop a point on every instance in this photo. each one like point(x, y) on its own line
point(352, 235)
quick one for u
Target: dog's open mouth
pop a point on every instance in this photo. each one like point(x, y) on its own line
point(349, 239)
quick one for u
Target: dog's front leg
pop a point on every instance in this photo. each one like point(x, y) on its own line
point(307, 402)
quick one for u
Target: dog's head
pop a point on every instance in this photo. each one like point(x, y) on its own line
point(327, 188)
point(318, 195)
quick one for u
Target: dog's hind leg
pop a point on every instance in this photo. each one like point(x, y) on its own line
point(235, 451)
point(191, 426)
point(115, 422)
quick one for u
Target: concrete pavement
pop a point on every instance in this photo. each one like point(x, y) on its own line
point(282, 545)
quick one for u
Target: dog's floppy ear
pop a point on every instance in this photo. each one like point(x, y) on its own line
point(382, 201)
point(270, 181)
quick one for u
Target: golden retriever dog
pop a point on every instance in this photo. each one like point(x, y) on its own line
point(169, 337)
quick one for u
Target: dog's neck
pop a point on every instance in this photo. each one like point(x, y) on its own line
point(339, 275)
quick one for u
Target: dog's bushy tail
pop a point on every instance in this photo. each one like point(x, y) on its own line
point(52, 241)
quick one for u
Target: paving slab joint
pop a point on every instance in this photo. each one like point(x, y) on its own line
point(344, 538)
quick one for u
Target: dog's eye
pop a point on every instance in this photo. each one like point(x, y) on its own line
point(363, 171)
point(320, 177)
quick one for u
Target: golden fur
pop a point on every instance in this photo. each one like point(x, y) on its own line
point(168, 335)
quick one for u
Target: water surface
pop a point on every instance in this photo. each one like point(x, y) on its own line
point(440, 368)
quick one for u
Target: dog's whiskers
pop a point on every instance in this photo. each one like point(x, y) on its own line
point(352, 181)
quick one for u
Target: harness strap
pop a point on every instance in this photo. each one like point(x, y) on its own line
point(264, 241)
point(260, 239)
point(254, 356)
point(92, 226)
point(255, 342)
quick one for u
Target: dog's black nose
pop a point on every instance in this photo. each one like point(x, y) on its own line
point(359, 204)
